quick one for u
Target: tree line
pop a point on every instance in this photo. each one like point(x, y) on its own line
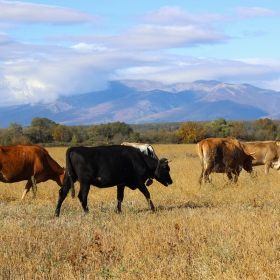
point(47, 132)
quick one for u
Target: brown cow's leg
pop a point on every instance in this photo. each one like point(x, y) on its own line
point(236, 174)
point(229, 175)
point(206, 175)
point(27, 188)
point(266, 168)
point(201, 176)
point(34, 186)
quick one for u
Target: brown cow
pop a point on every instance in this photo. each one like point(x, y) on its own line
point(222, 155)
point(28, 162)
point(267, 153)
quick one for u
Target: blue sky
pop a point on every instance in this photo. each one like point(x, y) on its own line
point(53, 48)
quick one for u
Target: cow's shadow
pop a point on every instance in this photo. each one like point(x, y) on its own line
point(188, 205)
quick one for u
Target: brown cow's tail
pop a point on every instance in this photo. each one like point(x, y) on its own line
point(199, 151)
point(70, 172)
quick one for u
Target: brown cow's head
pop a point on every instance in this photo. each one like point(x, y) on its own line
point(247, 164)
point(61, 177)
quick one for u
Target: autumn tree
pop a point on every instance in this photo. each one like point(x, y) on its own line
point(264, 129)
point(239, 130)
point(14, 134)
point(191, 132)
point(41, 130)
point(15, 131)
point(79, 134)
point(218, 128)
point(62, 134)
point(133, 137)
point(109, 133)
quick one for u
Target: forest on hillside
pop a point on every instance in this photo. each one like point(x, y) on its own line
point(49, 133)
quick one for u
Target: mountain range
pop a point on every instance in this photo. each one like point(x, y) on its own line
point(142, 101)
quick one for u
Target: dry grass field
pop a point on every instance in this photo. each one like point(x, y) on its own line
point(217, 231)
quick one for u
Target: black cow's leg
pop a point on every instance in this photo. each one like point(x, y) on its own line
point(120, 195)
point(83, 195)
point(145, 191)
point(62, 194)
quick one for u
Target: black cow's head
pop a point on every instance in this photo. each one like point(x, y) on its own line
point(162, 172)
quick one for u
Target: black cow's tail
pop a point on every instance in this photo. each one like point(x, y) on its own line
point(70, 172)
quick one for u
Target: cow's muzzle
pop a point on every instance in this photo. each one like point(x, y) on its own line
point(168, 183)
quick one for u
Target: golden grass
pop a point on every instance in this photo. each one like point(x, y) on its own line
point(218, 231)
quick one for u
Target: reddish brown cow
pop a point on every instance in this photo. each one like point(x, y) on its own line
point(222, 155)
point(31, 163)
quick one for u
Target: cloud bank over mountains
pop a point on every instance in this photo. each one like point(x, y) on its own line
point(48, 51)
point(143, 101)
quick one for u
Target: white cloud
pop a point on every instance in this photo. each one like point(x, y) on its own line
point(162, 37)
point(36, 13)
point(51, 72)
point(176, 16)
point(169, 27)
point(255, 12)
point(262, 73)
point(84, 47)
point(152, 37)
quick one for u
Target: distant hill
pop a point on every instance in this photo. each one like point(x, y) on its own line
point(141, 101)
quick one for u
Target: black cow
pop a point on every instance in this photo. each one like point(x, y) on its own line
point(108, 166)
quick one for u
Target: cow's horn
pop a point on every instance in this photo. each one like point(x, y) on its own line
point(168, 160)
point(278, 143)
point(252, 153)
